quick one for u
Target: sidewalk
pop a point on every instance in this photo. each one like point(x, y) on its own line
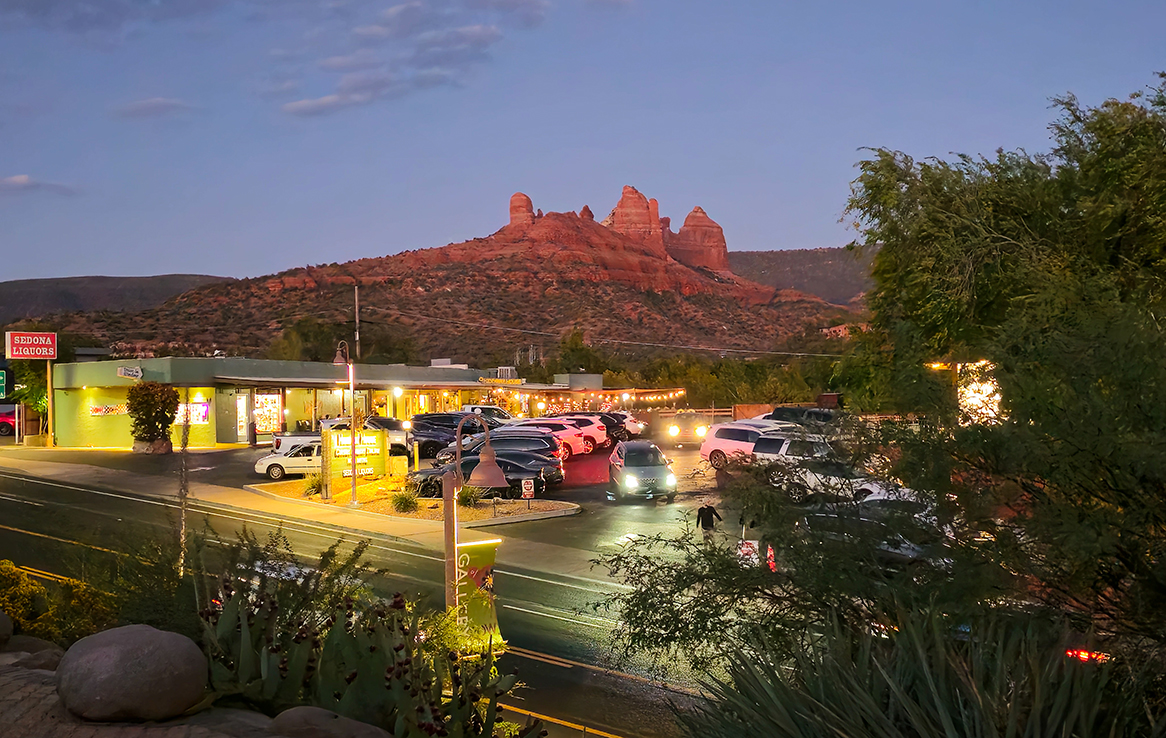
point(425, 534)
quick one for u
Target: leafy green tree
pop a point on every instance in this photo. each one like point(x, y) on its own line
point(152, 408)
point(310, 339)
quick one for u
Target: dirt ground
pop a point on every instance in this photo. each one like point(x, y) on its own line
point(376, 496)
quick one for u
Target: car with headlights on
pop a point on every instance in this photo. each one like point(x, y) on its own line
point(685, 427)
point(639, 469)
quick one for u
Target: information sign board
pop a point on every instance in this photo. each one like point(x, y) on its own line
point(27, 345)
point(3, 383)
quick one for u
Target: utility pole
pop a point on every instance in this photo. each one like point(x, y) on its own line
point(356, 297)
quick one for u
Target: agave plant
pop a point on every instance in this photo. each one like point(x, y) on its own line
point(1003, 678)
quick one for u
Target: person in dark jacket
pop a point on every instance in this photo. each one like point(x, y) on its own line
point(705, 518)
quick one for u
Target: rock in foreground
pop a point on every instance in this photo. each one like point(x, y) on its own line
point(132, 673)
point(316, 722)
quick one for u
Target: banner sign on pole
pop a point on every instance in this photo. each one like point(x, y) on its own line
point(528, 489)
point(26, 345)
point(475, 588)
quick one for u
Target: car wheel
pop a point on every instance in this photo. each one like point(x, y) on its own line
point(588, 446)
point(775, 478)
point(565, 452)
point(430, 450)
point(797, 495)
point(718, 459)
point(5, 429)
point(608, 442)
point(275, 472)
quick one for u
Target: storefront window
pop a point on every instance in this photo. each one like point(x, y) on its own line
point(200, 413)
point(268, 412)
point(241, 415)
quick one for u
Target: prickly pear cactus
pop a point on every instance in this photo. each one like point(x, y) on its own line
point(370, 663)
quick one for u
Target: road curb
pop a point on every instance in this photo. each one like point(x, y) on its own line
point(573, 510)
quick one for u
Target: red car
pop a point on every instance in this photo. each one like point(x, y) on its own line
point(7, 422)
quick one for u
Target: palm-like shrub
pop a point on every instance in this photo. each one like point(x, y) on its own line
point(1004, 678)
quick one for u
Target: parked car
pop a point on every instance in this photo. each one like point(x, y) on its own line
point(639, 469)
point(905, 530)
point(490, 411)
point(551, 468)
point(569, 434)
point(594, 431)
point(430, 439)
point(396, 432)
point(727, 441)
point(539, 443)
point(633, 426)
point(427, 482)
point(7, 422)
point(305, 458)
point(801, 415)
point(613, 424)
point(804, 466)
point(451, 421)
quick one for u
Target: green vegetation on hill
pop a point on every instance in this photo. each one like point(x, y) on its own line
point(837, 275)
point(31, 298)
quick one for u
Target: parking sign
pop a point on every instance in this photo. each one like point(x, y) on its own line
point(528, 489)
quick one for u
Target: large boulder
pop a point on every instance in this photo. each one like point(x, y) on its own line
point(29, 644)
point(48, 660)
point(132, 673)
point(316, 722)
point(5, 628)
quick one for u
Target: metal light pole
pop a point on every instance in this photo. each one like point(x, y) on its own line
point(486, 474)
point(342, 357)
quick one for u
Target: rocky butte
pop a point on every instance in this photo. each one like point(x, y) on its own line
point(629, 277)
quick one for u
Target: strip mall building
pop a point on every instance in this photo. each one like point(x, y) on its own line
point(227, 394)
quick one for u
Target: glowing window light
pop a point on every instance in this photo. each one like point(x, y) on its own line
point(978, 393)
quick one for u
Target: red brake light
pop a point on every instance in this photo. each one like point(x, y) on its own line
point(1085, 655)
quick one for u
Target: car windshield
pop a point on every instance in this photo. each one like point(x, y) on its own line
point(830, 468)
point(644, 457)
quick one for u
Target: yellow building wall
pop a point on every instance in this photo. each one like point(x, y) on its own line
point(97, 417)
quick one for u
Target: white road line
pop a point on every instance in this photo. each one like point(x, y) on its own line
point(617, 585)
point(607, 624)
point(568, 663)
point(18, 499)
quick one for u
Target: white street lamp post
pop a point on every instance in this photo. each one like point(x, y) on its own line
point(343, 357)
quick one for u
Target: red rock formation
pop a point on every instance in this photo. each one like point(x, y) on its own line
point(700, 243)
point(521, 210)
point(639, 219)
point(586, 213)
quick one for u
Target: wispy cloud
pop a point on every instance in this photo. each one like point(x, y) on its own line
point(455, 46)
point(528, 13)
point(153, 107)
point(359, 59)
point(103, 15)
point(23, 184)
point(324, 105)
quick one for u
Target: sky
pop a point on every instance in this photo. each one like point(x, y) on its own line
point(244, 137)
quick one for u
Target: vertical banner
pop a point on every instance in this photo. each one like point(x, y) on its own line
point(475, 589)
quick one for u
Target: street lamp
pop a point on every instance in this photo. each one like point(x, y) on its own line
point(341, 359)
point(397, 392)
point(486, 474)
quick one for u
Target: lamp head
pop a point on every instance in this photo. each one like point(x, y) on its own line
point(487, 474)
point(341, 354)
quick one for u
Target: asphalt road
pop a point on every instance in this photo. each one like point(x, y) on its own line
point(560, 645)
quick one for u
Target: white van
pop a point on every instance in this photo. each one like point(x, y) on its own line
point(490, 411)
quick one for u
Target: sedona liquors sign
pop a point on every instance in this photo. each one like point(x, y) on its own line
point(26, 345)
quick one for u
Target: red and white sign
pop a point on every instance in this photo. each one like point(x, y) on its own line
point(23, 345)
point(528, 489)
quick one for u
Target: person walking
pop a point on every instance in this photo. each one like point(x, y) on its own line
point(705, 518)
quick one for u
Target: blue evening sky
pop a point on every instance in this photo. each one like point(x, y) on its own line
point(242, 137)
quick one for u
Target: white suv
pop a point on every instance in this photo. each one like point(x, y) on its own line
point(810, 468)
point(728, 440)
point(594, 431)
